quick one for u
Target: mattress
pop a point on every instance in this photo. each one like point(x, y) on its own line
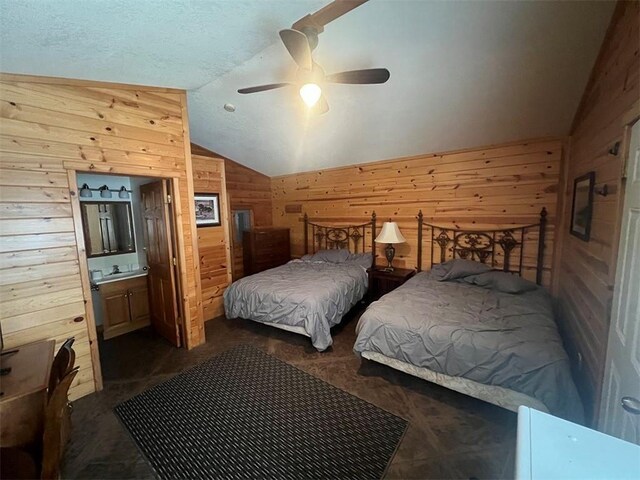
point(500, 396)
point(475, 333)
point(303, 297)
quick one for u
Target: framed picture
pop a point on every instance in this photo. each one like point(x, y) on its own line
point(207, 209)
point(582, 207)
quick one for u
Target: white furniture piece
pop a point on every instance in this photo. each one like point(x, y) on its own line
point(552, 448)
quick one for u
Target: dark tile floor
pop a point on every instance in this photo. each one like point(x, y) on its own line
point(449, 435)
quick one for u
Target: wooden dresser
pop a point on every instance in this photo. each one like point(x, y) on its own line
point(265, 248)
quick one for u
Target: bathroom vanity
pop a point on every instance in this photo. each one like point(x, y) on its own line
point(124, 302)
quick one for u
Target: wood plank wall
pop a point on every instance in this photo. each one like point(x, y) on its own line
point(246, 190)
point(587, 269)
point(486, 187)
point(249, 189)
point(213, 242)
point(48, 129)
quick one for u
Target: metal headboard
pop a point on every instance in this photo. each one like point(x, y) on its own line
point(484, 245)
point(351, 237)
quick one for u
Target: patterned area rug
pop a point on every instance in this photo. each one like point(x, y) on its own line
point(245, 414)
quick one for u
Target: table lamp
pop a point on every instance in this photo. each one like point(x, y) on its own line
point(390, 234)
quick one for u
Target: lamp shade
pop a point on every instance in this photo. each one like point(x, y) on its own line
point(390, 234)
point(85, 191)
point(105, 192)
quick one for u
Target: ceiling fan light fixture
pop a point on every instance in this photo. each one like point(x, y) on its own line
point(310, 93)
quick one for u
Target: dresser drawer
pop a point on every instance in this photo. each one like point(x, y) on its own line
point(265, 248)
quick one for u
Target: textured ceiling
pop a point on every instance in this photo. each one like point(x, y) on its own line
point(463, 74)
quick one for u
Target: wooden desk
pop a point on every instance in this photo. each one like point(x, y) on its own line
point(24, 393)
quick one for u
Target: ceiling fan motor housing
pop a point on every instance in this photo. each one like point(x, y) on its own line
point(312, 36)
point(316, 75)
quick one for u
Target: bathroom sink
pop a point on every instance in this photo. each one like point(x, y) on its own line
point(113, 277)
point(118, 274)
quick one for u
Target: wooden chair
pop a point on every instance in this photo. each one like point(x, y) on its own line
point(18, 463)
point(63, 363)
point(53, 442)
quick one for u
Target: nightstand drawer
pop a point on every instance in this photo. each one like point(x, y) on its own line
point(382, 282)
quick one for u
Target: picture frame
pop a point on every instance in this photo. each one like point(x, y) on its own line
point(207, 206)
point(582, 206)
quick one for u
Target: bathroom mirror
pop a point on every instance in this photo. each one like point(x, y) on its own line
point(108, 228)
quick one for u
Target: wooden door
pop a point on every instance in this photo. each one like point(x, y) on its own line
point(163, 304)
point(620, 413)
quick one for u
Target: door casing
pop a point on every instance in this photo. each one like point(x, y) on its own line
point(179, 247)
point(232, 237)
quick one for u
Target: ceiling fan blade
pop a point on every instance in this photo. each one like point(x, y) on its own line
point(368, 76)
point(298, 45)
point(263, 88)
point(327, 14)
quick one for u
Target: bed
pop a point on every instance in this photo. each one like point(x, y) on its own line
point(473, 324)
point(311, 294)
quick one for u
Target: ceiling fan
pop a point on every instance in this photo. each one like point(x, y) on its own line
point(300, 40)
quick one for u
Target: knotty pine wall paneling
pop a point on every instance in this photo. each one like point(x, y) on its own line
point(50, 128)
point(587, 269)
point(249, 189)
point(213, 242)
point(246, 190)
point(492, 187)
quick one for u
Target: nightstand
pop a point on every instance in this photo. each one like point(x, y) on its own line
point(381, 282)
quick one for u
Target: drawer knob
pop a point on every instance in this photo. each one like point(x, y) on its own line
point(78, 319)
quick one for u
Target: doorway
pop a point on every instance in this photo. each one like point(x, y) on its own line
point(620, 412)
point(241, 221)
point(128, 229)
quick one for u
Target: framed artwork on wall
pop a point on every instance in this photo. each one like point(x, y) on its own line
point(582, 206)
point(207, 209)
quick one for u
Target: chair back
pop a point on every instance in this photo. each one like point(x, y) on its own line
point(52, 444)
point(62, 365)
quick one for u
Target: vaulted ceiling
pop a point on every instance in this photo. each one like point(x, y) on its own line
point(463, 74)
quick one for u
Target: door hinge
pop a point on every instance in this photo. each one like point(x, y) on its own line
point(175, 262)
point(168, 198)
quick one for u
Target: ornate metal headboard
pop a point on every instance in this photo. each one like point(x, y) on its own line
point(355, 238)
point(503, 248)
